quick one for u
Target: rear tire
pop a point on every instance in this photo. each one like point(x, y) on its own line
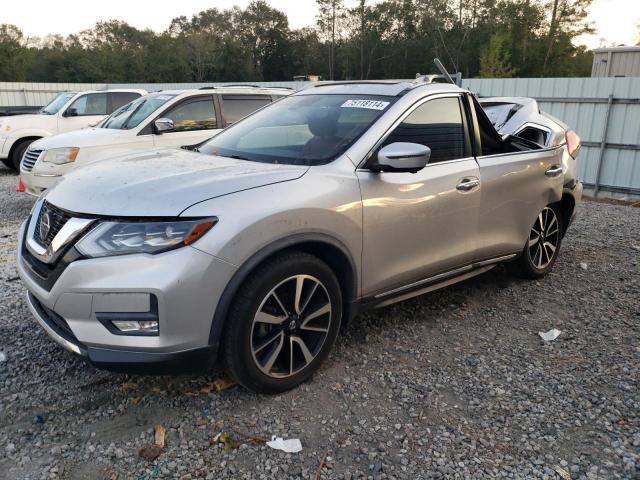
point(18, 153)
point(282, 324)
point(543, 245)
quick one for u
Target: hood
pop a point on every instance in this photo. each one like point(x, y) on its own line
point(29, 120)
point(87, 137)
point(161, 183)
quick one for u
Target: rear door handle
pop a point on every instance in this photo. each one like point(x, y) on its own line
point(468, 184)
point(554, 171)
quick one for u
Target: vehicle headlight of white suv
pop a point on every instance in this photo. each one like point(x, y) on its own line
point(60, 156)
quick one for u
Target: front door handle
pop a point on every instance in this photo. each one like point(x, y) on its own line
point(468, 184)
point(554, 171)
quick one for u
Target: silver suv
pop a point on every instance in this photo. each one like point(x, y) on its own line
point(252, 252)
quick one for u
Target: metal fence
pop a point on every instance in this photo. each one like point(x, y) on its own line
point(605, 112)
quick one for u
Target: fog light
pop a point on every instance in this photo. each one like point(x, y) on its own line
point(148, 327)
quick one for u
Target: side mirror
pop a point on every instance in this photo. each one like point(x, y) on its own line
point(402, 157)
point(71, 112)
point(163, 125)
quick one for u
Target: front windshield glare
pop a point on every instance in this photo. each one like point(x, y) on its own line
point(57, 103)
point(302, 129)
point(130, 115)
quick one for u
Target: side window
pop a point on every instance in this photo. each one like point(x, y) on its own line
point(239, 106)
point(196, 114)
point(119, 99)
point(438, 125)
point(91, 104)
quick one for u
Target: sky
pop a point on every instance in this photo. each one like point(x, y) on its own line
point(616, 20)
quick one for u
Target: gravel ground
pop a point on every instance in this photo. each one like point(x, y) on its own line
point(454, 384)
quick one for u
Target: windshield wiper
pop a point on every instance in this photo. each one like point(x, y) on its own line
point(238, 157)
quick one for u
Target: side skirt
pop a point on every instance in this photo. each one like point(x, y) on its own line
point(432, 283)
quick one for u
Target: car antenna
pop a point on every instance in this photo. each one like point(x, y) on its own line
point(443, 70)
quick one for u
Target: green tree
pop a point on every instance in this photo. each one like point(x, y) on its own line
point(495, 58)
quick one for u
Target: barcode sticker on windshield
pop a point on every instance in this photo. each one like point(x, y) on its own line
point(370, 104)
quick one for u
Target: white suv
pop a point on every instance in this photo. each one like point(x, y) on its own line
point(164, 119)
point(66, 112)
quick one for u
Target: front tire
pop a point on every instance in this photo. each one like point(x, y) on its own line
point(543, 245)
point(283, 323)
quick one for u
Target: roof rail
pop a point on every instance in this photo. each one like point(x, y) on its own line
point(207, 88)
point(444, 75)
point(240, 85)
point(352, 82)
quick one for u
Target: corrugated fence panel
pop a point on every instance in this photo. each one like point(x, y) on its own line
point(38, 94)
point(579, 102)
point(582, 104)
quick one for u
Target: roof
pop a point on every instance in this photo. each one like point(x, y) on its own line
point(112, 90)
point(622, 48)
point(391, 88)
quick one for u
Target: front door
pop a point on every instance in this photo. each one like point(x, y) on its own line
point(418, 225)
point(86, 110)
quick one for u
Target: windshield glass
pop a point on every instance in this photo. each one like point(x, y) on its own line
point(301, 130)
point(57, 103)
point(130, 115)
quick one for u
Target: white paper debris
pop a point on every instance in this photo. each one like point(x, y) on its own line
point(550, 335)
point(3, 357)
point(370, 104)
point(583, 265)
point(292, 445)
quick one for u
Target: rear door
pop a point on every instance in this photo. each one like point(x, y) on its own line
point(419, 225)
point(195, 120)
point(516, 186)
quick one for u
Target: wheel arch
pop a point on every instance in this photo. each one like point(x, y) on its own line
point(327, 248)
point(566, 205)
point(20, 141)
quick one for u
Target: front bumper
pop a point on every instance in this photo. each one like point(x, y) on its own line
point(186, 283)
point(36, 184)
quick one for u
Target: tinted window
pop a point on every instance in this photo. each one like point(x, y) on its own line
point(131, 114)
point(239, 106)
point(119, 99)
point(436, 124)
point(91, 104)
point(196, 114)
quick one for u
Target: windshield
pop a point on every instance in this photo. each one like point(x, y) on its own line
point(301, 130)
point(57, 103)
point(130, 115)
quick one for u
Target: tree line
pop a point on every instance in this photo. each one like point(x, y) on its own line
point(386, 39)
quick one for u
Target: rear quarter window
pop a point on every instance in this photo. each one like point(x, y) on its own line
point(236, 107)
point(119, 99)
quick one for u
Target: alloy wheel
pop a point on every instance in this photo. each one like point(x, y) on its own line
point(291, 326)
point(544, 238)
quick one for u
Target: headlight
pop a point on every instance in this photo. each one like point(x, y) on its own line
point(121, 238)
point(60, 156)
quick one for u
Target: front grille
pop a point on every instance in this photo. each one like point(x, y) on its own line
point(30, 158)
point(42, 273)
point(57, 219)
